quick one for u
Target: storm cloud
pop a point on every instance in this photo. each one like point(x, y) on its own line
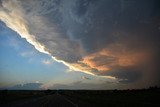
point(117, 38)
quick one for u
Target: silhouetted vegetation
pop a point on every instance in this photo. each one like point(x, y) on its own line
point(116, 98)
point(48, 92)
point(96, 98)
point(8, 96)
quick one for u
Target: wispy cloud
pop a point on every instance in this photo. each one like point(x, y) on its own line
point(86, 78)
point(47, 61)
point(14, 43)
point(27, 53)
point(27, 86)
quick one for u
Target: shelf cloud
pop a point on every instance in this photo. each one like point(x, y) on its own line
point(114, 38)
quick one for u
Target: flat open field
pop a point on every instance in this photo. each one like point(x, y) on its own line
point(80, 98)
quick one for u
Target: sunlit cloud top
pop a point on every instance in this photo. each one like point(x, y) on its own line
point(106, 38)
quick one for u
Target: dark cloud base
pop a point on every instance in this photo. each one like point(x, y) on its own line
point(117, 38)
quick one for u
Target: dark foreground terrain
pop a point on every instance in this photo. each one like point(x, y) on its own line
point(80, 98)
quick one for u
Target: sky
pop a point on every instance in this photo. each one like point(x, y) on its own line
point(79, 44)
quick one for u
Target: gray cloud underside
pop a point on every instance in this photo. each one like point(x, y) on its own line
point(106, 37)
point(74, 85)
point(80, 85)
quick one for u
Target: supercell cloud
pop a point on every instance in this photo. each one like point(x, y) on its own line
point(117, 38)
